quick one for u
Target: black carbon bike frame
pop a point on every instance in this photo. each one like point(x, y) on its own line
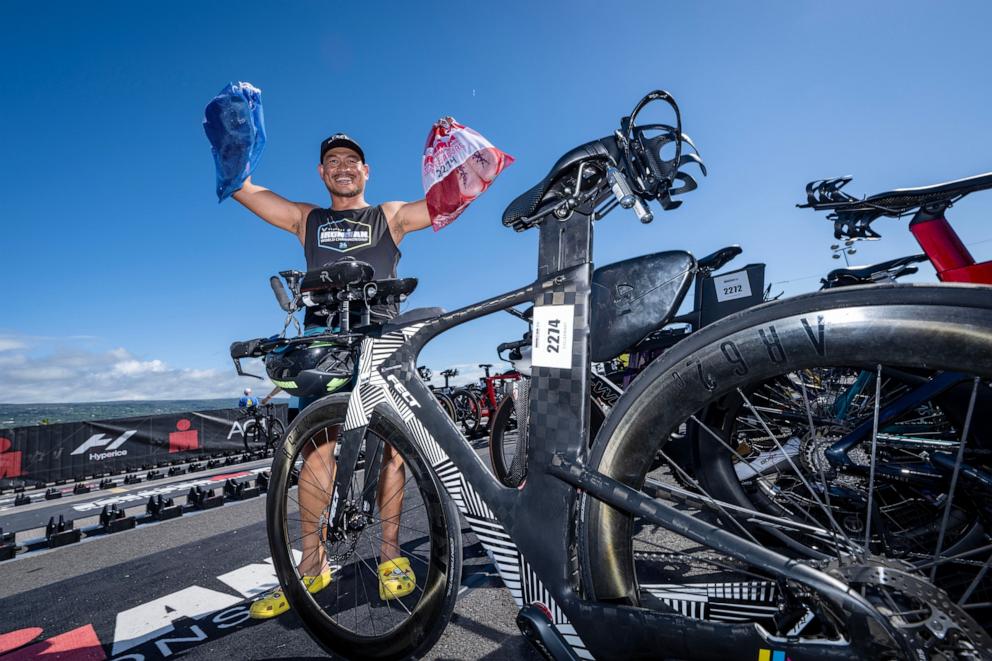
point(532, 532)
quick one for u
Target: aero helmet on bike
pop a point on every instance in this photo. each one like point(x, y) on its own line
point(311, 370)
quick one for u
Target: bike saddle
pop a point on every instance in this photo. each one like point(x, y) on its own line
point(341, 274)
point(718, 259)
point(853, 216)
point(526, 204)
point(863, 274)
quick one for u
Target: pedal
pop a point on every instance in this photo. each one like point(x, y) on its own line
point(535, 625)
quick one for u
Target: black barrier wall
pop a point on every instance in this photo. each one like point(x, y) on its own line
point(76, 450)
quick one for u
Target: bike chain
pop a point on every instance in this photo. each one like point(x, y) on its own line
point(689, 558)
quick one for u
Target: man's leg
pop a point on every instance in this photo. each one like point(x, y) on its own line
point(397, 578)
point(315, 492)
point(392, 480)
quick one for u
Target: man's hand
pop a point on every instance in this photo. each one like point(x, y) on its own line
point(275, 209)
point(405, 217)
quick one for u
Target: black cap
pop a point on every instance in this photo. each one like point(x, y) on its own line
point(340, 140)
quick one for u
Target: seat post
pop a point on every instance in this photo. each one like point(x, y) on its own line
point(559, 396)
point(939, 241)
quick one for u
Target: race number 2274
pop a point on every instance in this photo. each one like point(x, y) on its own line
point(551, 342)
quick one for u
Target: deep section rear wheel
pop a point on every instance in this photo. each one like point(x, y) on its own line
point(350, 617)
point(503, 437)
point(887, 330)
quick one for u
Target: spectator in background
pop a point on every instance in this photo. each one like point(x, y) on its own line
point(247, 401)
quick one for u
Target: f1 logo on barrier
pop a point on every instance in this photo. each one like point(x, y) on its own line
point(109, 444)
point(10, 462)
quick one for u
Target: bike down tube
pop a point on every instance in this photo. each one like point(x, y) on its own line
point(349, 449)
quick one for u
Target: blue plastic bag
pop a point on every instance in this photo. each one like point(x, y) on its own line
point(235, 127)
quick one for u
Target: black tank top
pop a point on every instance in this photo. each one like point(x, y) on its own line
point(359, 233)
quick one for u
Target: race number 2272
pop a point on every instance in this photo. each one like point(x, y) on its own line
point(551, 343)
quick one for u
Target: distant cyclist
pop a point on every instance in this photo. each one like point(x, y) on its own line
point(350, 227)
point(247, 400)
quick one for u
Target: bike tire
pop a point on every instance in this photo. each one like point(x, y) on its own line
point(466, 410)
point(934, 327)
point(328, 616)
point(501, 448)
point(251, 434)
point(503, 443)
point(276, 432)
point(446, 404)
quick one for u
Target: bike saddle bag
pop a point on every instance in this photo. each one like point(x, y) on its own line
point(634, 297)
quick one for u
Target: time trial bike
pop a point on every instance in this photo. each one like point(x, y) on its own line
point(598, 559)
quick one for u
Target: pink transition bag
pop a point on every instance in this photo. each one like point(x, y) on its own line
point(459, 164)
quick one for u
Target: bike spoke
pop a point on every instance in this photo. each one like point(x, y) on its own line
point(975, 582)
point(871, 465)
point(710, 498)
point(954, 475)
point(795, 468)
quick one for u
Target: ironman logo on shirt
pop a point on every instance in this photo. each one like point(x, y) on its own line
point(344, 235)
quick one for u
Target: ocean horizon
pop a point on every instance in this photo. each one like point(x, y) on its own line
point(41, 413)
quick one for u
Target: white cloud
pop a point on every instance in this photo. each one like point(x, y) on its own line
point(134, 367)
point(79, 375)
point(9, 344)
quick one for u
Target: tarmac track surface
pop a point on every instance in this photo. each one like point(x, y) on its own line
point(182, 588)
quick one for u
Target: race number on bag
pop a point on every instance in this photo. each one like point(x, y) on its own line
point(551, 341)
point(458, 166)
point(731, 286)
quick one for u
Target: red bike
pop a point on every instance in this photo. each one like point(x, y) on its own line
point(928, 204)
point(489, 392)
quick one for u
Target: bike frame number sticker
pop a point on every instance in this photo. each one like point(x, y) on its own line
point(731, 286)
point(551, 345)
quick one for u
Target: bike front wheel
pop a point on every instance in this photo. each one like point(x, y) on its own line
point(918, 329)
point(410, 516)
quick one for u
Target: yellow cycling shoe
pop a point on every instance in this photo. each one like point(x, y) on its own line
point(275, 603)
point(396, 579)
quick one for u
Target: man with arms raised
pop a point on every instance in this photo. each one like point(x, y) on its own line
point(350, 227)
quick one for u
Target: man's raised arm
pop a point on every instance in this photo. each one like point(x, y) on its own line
point(405, 217)
point(275, 209)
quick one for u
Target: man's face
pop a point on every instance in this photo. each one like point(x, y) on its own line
point(343, 172)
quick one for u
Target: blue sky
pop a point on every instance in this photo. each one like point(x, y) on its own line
point(123, 277)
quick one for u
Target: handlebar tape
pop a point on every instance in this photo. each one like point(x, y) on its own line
point(280, 293)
